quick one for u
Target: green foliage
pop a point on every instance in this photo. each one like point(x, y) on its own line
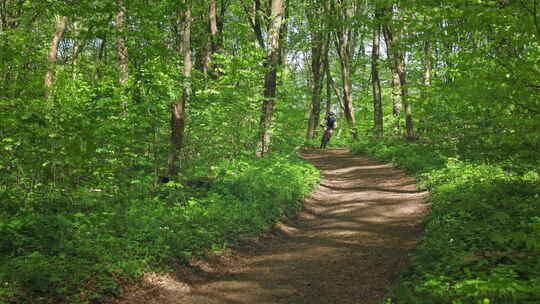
point(78, 246)
point(81, 212)
point(481, 241)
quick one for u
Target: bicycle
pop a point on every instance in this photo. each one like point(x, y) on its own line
point(325, 137)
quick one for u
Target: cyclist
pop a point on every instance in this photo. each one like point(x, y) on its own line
point(331, 123)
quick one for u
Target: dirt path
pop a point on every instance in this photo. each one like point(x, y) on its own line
point(346, 247)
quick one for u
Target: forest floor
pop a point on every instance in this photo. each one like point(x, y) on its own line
point(347, 245)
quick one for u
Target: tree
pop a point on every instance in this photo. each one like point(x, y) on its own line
point(319, 45)
point(396, 49)
point(121, 48)
point(396, 85)
point(178, 108)
point(61, 23)
point(375, 81)
point(270, 79)
point(213, 35)
point(345, 45)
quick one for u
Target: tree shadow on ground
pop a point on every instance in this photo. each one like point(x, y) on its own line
point(346, 246)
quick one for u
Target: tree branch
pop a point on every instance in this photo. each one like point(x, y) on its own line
point(255, 22)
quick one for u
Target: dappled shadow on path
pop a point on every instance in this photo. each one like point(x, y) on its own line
point(346, 246)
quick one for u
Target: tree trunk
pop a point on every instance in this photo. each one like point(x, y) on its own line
point(326, 65)
point(77, 49)
point(283, 36)
point(61, 24)
point(212, 44)
point(254, 14)
point(426, 79)
point(178, 108)
point(375, 81)
point(121, 49)
point(396, 86)
point(343, 48)
point(101, 59)
point(428, 64)
point(406, 103)
point(317, 51)
point(399, 63)
point(347, 89)
point(405, 96)
point(213, 22)
point(270, 79)
point(122, 53)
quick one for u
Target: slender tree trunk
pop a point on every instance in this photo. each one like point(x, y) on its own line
point(211, 45)
point(332, 84)
point(77, 45)
point(426, 79)
point(316, 85)
point(326, 65)
point(406, 103)
point(405, 95)
point(399, 63)
point(122, 53)
point(428, 63)
point(347, 89)
point(77, 50)
point(375, 81)
point(205, 57)
point(253, 13)
point(61, 24)
point(213, 22)
point(396, 86)
point(121, 48)
point(178, 108)
point(396, 94)
point(317, 51)
point(283, 36)
point(101, 58)
point(344, 48)
point(272, 62)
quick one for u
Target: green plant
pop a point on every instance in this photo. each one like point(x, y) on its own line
point(481, 240)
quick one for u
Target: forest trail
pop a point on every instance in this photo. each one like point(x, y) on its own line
point(346, 246)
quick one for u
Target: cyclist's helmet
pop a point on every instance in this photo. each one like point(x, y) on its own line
point(331, 113)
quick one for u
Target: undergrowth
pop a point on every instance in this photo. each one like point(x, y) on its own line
point(481, 242)
point(81, 246)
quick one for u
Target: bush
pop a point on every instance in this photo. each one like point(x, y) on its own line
point(482, 238)
point(80, 246)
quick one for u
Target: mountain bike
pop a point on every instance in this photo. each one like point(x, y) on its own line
point(326, 136)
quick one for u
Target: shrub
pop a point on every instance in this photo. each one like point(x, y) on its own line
point(482, 240)
point(77, 246)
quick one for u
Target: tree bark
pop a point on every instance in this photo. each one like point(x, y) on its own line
point(121, 48)
point(343, 47)
point(326, 65)
point(396, 86)
point(272, 62)
point(399, 63)
point(213, 40)
point(178, 108)
point(283, 36)
point(317, 52)
point(375, 81)
point(61, 24)
point(253, 15)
